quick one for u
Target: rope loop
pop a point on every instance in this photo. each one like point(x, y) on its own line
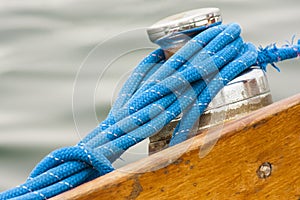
point(68, 166)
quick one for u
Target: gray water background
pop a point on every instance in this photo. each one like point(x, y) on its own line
point(43, 43)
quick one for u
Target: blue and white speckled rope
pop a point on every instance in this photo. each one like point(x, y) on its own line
point(157, 92)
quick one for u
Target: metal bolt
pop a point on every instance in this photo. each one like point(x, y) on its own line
point(264, 170)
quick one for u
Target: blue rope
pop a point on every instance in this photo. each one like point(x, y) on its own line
point(157, 92)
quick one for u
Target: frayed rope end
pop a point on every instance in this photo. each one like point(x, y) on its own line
point(265, 55)
point(272, 54)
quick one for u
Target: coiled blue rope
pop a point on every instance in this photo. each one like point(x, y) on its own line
point(157, 91)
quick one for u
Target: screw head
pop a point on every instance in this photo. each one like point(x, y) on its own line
point(264, 170)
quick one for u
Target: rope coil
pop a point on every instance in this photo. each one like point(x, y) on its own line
point(157, 91)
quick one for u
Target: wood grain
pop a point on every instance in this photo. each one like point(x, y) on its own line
point(228, 171)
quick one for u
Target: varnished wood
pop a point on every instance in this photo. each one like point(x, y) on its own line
point(270, 134)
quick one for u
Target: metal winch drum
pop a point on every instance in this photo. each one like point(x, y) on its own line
point(248, 92)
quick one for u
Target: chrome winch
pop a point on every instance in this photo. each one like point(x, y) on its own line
point(248, 92)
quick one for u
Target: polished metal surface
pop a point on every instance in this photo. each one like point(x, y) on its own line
point(184, 21)
point(250, 83)
point(246, 93)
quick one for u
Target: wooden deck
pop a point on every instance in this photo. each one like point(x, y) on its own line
point(230, 170)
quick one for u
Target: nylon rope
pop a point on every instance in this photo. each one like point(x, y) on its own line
point(158, 91)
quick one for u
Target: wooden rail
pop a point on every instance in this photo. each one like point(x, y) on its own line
point(231, 170)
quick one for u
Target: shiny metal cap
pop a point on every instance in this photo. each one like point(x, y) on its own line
point(184, 21)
